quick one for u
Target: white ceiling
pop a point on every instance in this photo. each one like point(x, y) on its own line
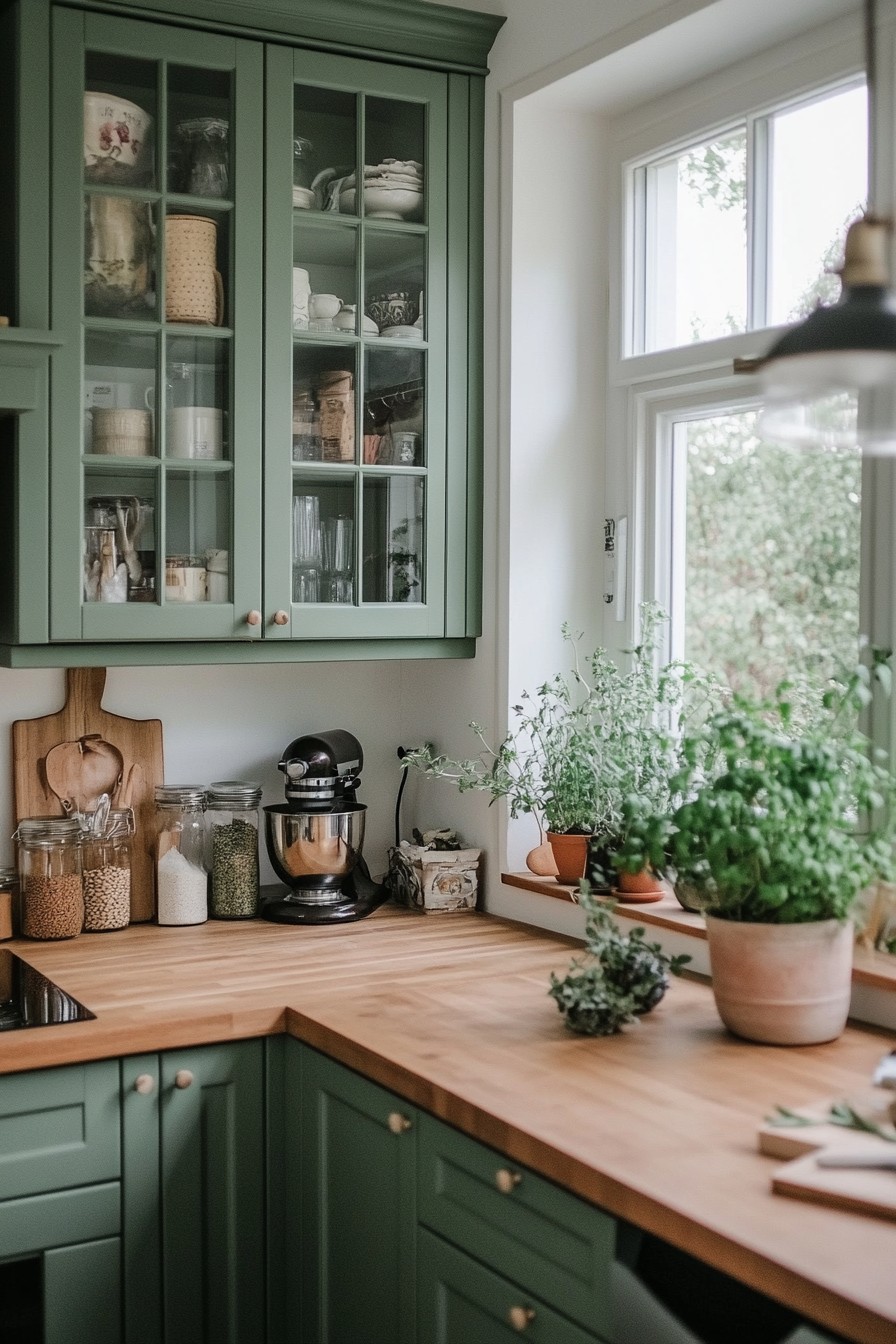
point(716, 35)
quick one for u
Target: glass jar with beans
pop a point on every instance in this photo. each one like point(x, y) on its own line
point(106, 869)
point(233, 831)
point(51, 894)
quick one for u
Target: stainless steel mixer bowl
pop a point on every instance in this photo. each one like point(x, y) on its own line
point(313, 851)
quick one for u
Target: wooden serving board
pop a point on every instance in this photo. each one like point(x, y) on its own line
point(138, 740)
point(861, 1191)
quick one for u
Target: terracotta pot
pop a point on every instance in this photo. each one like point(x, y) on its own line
point(781, 984)
point(645, 883)
point(570, 855)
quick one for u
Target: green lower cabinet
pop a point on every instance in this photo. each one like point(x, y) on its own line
point(460, 1301)
point(353, 1226)
point(60, 1266)
point(194, 1196)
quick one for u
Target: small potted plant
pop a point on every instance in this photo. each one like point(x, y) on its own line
point(586, 742)
point(771, 843)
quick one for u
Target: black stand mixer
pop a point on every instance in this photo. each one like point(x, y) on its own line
point(314, 839)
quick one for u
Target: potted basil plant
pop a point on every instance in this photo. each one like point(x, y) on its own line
point(584, 742)
point(777, 844)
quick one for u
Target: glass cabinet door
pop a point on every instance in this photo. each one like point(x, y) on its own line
point(356, 339)
point(156, 485)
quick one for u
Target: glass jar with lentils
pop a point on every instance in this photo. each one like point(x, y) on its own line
point(51, 895)
point(233, 831)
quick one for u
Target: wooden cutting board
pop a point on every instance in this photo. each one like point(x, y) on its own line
point(138, 740)
point(861, 1191)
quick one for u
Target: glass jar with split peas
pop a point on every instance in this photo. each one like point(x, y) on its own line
point(51, 898)
point(106, 872)
point(233, 843)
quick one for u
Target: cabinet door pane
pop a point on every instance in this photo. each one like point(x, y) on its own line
point(393, 539)
point(169, 307)
point(346, 305)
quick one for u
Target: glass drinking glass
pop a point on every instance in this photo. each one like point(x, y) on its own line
point(336, 537)
point(307, 552)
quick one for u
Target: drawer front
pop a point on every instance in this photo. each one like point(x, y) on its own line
point(462, 1302)
point(555, 1245)
point(59, 1128)
point(40, 1222)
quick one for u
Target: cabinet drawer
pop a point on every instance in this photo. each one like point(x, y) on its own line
point(462, 1302)
point(40, 1222)
point(59, 1128)
point(556, 1246)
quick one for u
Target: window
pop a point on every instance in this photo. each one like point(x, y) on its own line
point(742, 228)
point(734, 227)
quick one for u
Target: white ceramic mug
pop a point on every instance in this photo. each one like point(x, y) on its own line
point(195, 431)
point(322, 308)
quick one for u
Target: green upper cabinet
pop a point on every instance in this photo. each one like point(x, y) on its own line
point(262, 435)
point(157, 274)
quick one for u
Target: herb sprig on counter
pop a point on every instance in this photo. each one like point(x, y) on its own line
point(620, 978)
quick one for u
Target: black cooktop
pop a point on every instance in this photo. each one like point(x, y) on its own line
point(29, 999)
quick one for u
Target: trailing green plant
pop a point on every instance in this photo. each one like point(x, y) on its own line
point(620, 978)
point(584, 742)
point(773, 836)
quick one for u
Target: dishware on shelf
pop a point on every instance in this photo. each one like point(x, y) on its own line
point(392, 309)
point(307, 548)
point(401, 332)
point(306, 440)
point(346, 319)
point(404, 447)
point(195, 432)
point(121, 432)
point(194, 289)
point(303, 198)
point(202, 157)
point(113, 562)
point(118, 256)
point(393, 189)
point(185, 578)
point(302, 167)
point(301, 292)
point(116, 136)
point(217, 575)
point(322, 308)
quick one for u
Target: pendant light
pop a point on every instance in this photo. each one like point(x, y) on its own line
point(848, 348)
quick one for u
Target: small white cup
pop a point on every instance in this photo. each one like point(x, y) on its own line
point(322, 308)
point(195, 431)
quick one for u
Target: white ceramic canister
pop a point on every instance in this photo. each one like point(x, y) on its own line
point(196, 432)
point(116, 133)
point(301, 291)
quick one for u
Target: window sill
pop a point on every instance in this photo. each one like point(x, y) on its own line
point(876, 970)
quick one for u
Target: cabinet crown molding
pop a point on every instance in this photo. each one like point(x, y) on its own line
point(439, 35)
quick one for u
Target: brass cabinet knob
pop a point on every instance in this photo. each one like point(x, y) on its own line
point(144, 1084)
point(254, 618)
point(507, 1181)
point(183, 1078)
point(520, 1317)
point(398, 1123)
point(281, 617)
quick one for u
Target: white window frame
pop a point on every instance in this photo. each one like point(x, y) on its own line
point(648, 392)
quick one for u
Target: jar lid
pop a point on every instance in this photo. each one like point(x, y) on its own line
point(190, 795)
point(243, 792)
point(8, 875)
point(48, 830)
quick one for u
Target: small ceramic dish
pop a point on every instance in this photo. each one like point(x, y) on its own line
point(637, 897)
point(401, 334)
point(303, 198)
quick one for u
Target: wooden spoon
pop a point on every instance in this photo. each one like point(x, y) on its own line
point(78, 772)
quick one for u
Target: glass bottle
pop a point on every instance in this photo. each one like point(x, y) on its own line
point(180, 855)
point(49, 860)
point(9, 902)
point(106, 871)
point(233, 826)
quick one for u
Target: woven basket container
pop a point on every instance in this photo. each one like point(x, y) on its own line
point(123, 433)
point(194, 291)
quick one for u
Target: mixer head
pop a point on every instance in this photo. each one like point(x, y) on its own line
point(322, 771)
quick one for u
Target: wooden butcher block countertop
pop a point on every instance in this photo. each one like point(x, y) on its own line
point(658, 1125)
